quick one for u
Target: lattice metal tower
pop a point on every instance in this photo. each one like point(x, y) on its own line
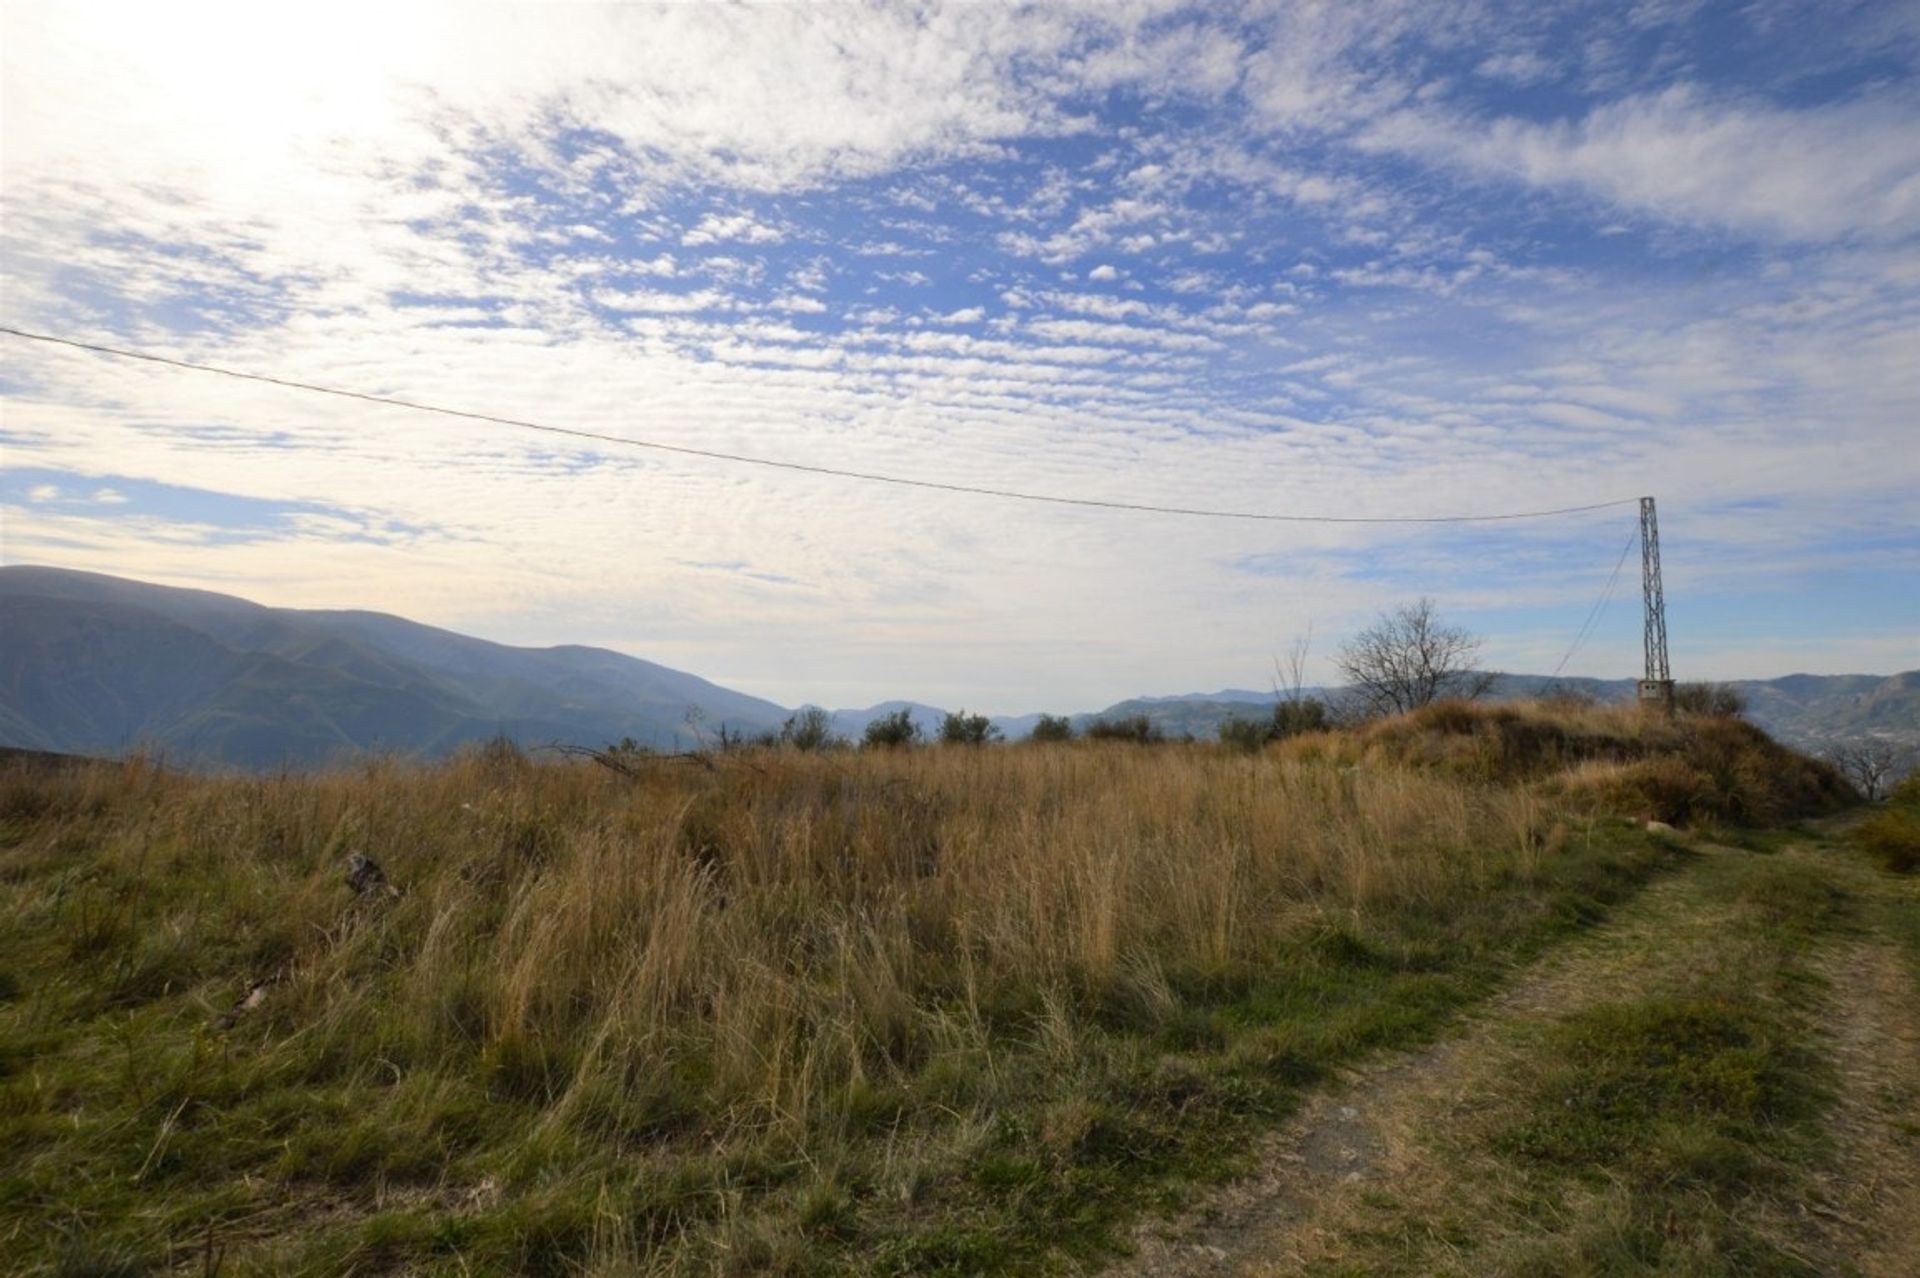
point(1656, 688)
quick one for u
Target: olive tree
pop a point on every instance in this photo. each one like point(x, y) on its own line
point(1052, 727)
point(961, 728)
point(810, 729)
point(892, 731)
point(1409, 658)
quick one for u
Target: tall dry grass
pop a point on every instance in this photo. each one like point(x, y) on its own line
point(747, 977)
point(789, 924)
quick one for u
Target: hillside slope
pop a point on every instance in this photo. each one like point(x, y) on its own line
point(98, 665)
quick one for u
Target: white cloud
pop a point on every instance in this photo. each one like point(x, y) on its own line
point(650, 301)
point(741, 228)
point(1524, 67)
point(472, 209)
point(1814, 173)
point(44, 492)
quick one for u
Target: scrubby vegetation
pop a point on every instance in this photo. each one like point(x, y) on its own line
point(775, 1010)
point(892, 731)
point(961, 728)
point(1891, 836)
point(1137, 728)
point(1288, 718)
point(1051, 727)
point(1690, 769)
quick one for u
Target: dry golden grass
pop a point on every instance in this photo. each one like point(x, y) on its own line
point(771, 981)
point(784, 914)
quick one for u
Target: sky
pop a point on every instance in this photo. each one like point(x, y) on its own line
point(1346, 259)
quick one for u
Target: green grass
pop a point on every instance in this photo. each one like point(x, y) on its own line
point(138, 1134)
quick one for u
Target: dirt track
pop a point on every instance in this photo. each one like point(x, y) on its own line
point(1371, 1138)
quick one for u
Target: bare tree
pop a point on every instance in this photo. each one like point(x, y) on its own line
point(1294, 712)
point(1409, 658)
point(1870, 764)
point(1290, 679)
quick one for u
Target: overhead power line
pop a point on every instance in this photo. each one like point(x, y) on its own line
point(1599, 608)
point(803, 467)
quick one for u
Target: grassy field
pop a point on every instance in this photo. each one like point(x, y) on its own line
point(956, 1010)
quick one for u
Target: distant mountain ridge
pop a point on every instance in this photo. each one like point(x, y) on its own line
point(92, 664)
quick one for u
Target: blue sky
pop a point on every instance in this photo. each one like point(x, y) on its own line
point(1348, 259)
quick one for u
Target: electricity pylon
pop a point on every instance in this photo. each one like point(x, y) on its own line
point(1656, 688)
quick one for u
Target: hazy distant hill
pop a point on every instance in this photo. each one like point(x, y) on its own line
point(97, 664)
point(91, 664)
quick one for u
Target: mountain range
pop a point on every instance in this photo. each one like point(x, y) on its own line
point(93, 664)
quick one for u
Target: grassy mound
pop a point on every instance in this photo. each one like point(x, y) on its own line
point(1601, 759)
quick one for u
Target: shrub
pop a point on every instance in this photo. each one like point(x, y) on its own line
point(1053, 727)
point(1892, 835)
point(809, 729)
point(892, 731)
point(1136, 728)
point(961, 728)
point(1718, 700)
point(1291, 718)
point(1248, 735)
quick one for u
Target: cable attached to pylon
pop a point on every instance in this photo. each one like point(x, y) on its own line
point(1599, 605)
point(803, 467)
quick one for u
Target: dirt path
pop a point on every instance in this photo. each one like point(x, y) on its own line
point(1370, 1140)
point(1316, 1173)
point(1875, 1196)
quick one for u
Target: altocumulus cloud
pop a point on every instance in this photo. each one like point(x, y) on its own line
point(1367, 258)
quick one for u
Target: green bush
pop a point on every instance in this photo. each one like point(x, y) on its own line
point(893, 731)
point(1892, 835)
point(1052, 727)
point(961, 728)
point(1136, 728)
point(1289, 719)
point(810, 729)
point(1249, 735)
